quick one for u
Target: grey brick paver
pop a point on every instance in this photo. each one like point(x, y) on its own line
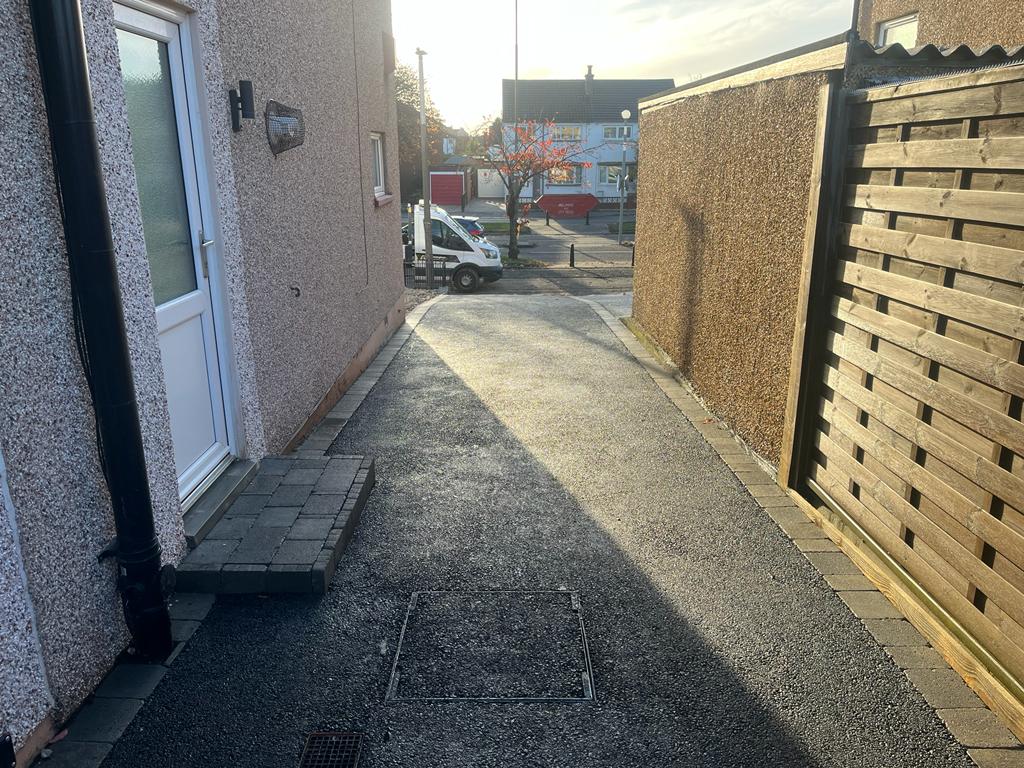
point(327, 505)
point(212, 551)
point(258, 546)
point(292, 552)
point(231, 528)
point(829, 563)
point(131, 681)
point(916, 657)
point(894, 632)
point(305, 476)
point(310, 528)
point(262, 484)
point(997, 758)
point(277, 517)
point(870, 605)
point(248, 505)
point(78, 754)
point(243, 578)
point(290, 496)
point(978, 727)
point(943, 688)
point(275, 465)
point(103, 719)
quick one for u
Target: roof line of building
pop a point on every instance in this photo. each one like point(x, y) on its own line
point(829, 53)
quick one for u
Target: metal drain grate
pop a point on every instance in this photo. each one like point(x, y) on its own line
point(332, 749)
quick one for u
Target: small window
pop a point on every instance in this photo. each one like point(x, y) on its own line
point(902, 30)
point(571, 176)
point(379, 177)
point(609, 174)
point(566, 133)
point(618, 131)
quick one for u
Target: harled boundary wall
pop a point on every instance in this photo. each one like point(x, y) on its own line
point(724, 179)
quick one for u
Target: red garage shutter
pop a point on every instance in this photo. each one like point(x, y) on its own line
point(445, 188)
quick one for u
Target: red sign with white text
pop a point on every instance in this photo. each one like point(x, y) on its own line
point(567, 206)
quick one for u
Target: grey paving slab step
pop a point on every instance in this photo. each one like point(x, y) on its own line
point(285, 533)
point(209, 509)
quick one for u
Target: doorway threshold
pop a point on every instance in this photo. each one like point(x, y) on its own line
point(209, 507)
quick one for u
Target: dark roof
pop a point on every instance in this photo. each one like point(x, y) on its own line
point(566, 101)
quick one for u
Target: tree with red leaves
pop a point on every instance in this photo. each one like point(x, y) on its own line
point(524, 153)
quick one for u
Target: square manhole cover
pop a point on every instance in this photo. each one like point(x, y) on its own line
point(492, 646)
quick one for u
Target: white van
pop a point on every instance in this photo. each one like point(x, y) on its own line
point(469, 260)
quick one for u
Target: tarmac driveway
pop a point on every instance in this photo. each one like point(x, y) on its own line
point(520, 448)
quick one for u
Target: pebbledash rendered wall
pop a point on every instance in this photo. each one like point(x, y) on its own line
point(722, 199)
point(307, 264)
point(949, 22)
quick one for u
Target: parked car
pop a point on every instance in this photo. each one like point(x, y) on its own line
point(472, 225)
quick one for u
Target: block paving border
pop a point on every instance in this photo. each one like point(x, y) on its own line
point(988, 742)
point(105, 715)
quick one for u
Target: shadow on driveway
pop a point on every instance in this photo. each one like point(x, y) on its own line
point(515, 450)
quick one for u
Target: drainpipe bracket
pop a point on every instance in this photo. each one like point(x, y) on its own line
point(108, 551)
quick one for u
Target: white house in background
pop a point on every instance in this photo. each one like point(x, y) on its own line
point(587, 111)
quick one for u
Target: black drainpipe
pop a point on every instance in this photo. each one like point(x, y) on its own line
point(99, 320)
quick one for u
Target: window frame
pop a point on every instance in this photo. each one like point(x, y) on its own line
point(604, 168)
point(888, 25)
point(620, 132)
point(577, 171)
point(558, 129)
point(379, 165)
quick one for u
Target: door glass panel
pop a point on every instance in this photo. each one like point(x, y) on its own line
point(165, 223)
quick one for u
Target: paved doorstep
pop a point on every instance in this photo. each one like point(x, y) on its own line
point(990, 744)
point(286, 531)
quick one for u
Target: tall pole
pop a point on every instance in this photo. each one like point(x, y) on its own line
point(622, 172)
point(428, 233)
point(515, 96)
point(515, 83)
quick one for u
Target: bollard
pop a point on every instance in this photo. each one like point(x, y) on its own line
point(547, 219)
point(572, 254)
point(632, 259)
point(588, 217)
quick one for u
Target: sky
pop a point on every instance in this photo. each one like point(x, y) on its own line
point(470, 44)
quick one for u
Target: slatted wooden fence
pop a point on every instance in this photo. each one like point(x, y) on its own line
point(912, 423)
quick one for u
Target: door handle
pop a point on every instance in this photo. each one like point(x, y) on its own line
point(203, 245)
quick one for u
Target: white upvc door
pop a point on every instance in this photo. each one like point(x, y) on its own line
point(160, 95)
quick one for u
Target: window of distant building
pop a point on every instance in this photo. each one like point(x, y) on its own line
point(566, 132)
point(902, 30)
point(609, 173)
point(618, 131)
point(573, 175)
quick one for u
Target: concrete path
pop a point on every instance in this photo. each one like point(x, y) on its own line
point(520, 447)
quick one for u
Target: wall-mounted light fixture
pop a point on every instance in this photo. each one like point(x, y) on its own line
point(243, 104)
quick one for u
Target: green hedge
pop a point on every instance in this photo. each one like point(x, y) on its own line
point(628, 227)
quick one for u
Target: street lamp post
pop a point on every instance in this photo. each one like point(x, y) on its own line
point(428, 229)
point(622, 171)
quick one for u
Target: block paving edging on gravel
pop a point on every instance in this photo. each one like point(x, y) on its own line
point(988, 742)
point(105, 715)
